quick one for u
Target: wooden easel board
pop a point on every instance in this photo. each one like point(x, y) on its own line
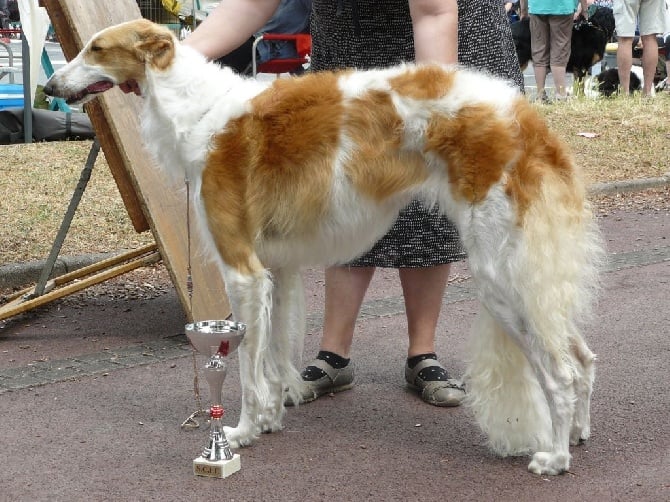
point(151, 201)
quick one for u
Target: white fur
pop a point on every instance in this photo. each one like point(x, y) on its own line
point(530, 376)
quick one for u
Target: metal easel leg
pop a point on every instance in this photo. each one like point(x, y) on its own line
point(67, 220)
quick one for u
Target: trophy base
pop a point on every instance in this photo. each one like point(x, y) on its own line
point(216, 468)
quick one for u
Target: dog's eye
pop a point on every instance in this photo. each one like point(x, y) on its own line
point(96, 48)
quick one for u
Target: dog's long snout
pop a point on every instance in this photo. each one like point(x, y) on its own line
point(54, 86)
point(50, 88)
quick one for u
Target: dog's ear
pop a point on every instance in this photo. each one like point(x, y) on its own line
point(156, 47)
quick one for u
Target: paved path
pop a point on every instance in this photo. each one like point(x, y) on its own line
point(93, 389)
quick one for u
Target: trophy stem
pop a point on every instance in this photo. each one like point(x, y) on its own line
point(216, 460)
point(217, 446)
point(221, 338)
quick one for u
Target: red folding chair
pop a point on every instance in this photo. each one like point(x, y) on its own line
point(303, 46)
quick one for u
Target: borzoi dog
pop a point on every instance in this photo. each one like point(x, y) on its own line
point(313, 170)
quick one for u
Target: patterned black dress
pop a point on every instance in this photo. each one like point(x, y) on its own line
point(372, 34)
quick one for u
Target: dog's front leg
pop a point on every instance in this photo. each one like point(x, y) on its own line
point(288, 331)
point(246, 430)
point(250, 297)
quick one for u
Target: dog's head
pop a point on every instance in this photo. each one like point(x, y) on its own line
point(115, 55)
point(608, 82)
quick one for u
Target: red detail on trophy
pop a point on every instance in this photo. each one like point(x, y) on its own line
point(224, 347)
point(216, 411)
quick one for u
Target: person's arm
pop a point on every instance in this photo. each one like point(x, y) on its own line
point(435, 25)
point(584, 4)
point(523, 8)
point(230, 25)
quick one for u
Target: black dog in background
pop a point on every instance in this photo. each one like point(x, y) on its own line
point(608, 82)
point(589, 39)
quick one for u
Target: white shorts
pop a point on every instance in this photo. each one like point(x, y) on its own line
point(651, 12)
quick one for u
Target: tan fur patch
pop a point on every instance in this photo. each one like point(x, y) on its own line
point(124, 49)
point(543, 157)
point(156, 44)
point(224, 194)
point(423, 82)
point(378, 166)
point(270, 172)
point(476, 146)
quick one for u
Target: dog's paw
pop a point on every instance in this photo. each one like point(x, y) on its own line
point(549, 463)
point(238, 436)
point(270, 427)
point(271, 419)
point(579, 434)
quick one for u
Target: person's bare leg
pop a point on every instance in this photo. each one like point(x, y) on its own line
point(624, 61)
point(649, 62)
point(560, 81)
point(540, 79)
point(423, 290)
point(345, 290)
point(331, 371)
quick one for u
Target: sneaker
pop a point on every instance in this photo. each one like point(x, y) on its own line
point(543, 98)
point(334, 380)
point(447, 393)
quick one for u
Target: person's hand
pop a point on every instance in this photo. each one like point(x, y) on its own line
point(130, 86)
point(584, 8)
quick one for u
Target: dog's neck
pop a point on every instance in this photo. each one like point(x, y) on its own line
point(189, 86)
point(189, 100)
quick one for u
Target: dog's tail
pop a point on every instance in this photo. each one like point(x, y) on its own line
point(554, 275)
point(503, 393)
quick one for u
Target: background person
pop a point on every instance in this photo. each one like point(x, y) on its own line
point(651, 23)
point(551, 24)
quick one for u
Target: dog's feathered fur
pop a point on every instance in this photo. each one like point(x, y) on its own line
point(313, 170)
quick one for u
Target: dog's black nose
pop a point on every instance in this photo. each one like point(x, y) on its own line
point(49, 88)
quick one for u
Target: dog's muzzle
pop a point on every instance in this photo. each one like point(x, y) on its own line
point(82, 96)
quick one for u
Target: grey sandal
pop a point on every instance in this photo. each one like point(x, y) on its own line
point(334, 380)
point(438, 392)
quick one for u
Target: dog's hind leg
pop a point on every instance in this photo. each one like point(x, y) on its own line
point(520, 366)
point(556, 378)
point(288, 329)
point(554, 375)
point(584, 373)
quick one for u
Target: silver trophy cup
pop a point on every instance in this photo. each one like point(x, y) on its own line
point(216, 339)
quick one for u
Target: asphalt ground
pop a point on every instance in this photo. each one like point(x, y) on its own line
point(93, 390)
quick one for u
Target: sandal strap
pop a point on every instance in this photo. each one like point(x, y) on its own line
point(326, 368)
point(411, 374)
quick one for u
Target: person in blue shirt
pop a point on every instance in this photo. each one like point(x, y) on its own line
point(550, 39)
